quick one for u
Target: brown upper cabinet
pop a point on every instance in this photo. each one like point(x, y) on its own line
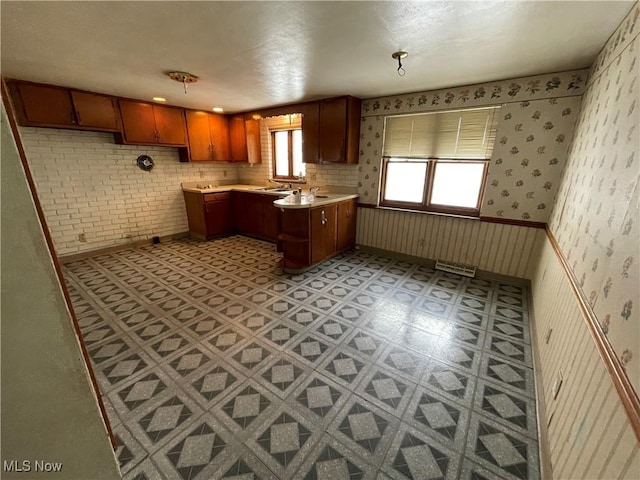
point(49, 106)
point(149, 124)
point(208, 137)
point(238, 139)
point(331, 131)
point(244, 136)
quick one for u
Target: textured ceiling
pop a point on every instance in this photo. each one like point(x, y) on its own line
point(255, 54)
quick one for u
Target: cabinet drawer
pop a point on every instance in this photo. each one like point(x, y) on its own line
point(210, 197)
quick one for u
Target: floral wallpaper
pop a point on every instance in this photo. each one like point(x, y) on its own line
point(543, 107)
point(528, 158)
point(596, 219)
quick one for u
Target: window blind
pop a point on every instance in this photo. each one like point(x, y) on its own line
point(462, 134)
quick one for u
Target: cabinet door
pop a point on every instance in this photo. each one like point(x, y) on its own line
point(217, 217)
point(237, 139)
point(346, 237)
point(170, 125)
point(253, 141)
point(333, 129)
point(219, 131)
point(94, 110)
point(323, 232)
point(45, 106)
point(138, 122)
point(269, 214)
point(311, 133)
point(199, 136)
point(195, 214)
point(239, 206)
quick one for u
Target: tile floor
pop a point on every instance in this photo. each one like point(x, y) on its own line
point(213, 364)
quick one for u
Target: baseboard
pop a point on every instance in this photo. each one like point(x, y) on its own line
point(546, 472)
point(116, 248)
point(428, 262)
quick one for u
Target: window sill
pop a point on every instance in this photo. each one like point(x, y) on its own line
point(288, 180)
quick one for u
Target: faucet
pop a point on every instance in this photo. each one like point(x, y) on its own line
point(277, 184)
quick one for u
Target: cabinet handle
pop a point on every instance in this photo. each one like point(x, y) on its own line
point(323, 218)
point(79, 120)
point(156, 135)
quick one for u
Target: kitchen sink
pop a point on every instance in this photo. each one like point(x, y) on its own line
point(277, 189)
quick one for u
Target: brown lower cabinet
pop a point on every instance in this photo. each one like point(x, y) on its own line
point(255, 215)
point(346, 230)
point(215, 214)
point(309, 236)
point(209, 214)
point(305, 236)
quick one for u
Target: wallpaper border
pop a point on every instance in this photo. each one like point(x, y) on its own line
point(616, 371)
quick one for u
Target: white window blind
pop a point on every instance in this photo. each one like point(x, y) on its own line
point(460, 134)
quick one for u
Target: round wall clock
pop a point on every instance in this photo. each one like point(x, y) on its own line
point(145, 162)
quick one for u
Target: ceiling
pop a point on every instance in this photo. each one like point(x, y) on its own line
point(256, 54)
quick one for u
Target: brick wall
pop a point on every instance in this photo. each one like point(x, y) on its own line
point(94, 196)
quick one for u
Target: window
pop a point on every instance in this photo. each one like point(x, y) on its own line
point(287, 154)
point(437, 162)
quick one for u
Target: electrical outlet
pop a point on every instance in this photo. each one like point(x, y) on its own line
point(557, 384)
point(224, 173)
point(201, 174)
point(82, 237)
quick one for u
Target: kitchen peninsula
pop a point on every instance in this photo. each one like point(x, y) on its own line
point(306, 232)
point(313, 231)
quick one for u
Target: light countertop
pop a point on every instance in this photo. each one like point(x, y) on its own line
point(318, 201)
point(322, 198)
point(197, 187)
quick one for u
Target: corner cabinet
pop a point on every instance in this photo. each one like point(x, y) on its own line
point(310, 236)
point(40, 105)
point(331, 131)
point(255, 215)
point(208, 214)
point(208, 135)
point(149, 124)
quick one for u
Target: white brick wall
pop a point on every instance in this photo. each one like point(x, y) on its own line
point(339, 175)
point(89, 185)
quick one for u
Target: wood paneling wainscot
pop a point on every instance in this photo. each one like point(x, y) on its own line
point(494, 247)
point(588, 430)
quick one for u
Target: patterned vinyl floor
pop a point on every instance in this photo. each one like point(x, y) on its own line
point(213, 364)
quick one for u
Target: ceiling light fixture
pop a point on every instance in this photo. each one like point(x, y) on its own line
point(399, 56)
point(218, 109)
point(183, 77)
point(159, 99)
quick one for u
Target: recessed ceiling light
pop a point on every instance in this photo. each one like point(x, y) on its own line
point(159, 99)
point(218, 109)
